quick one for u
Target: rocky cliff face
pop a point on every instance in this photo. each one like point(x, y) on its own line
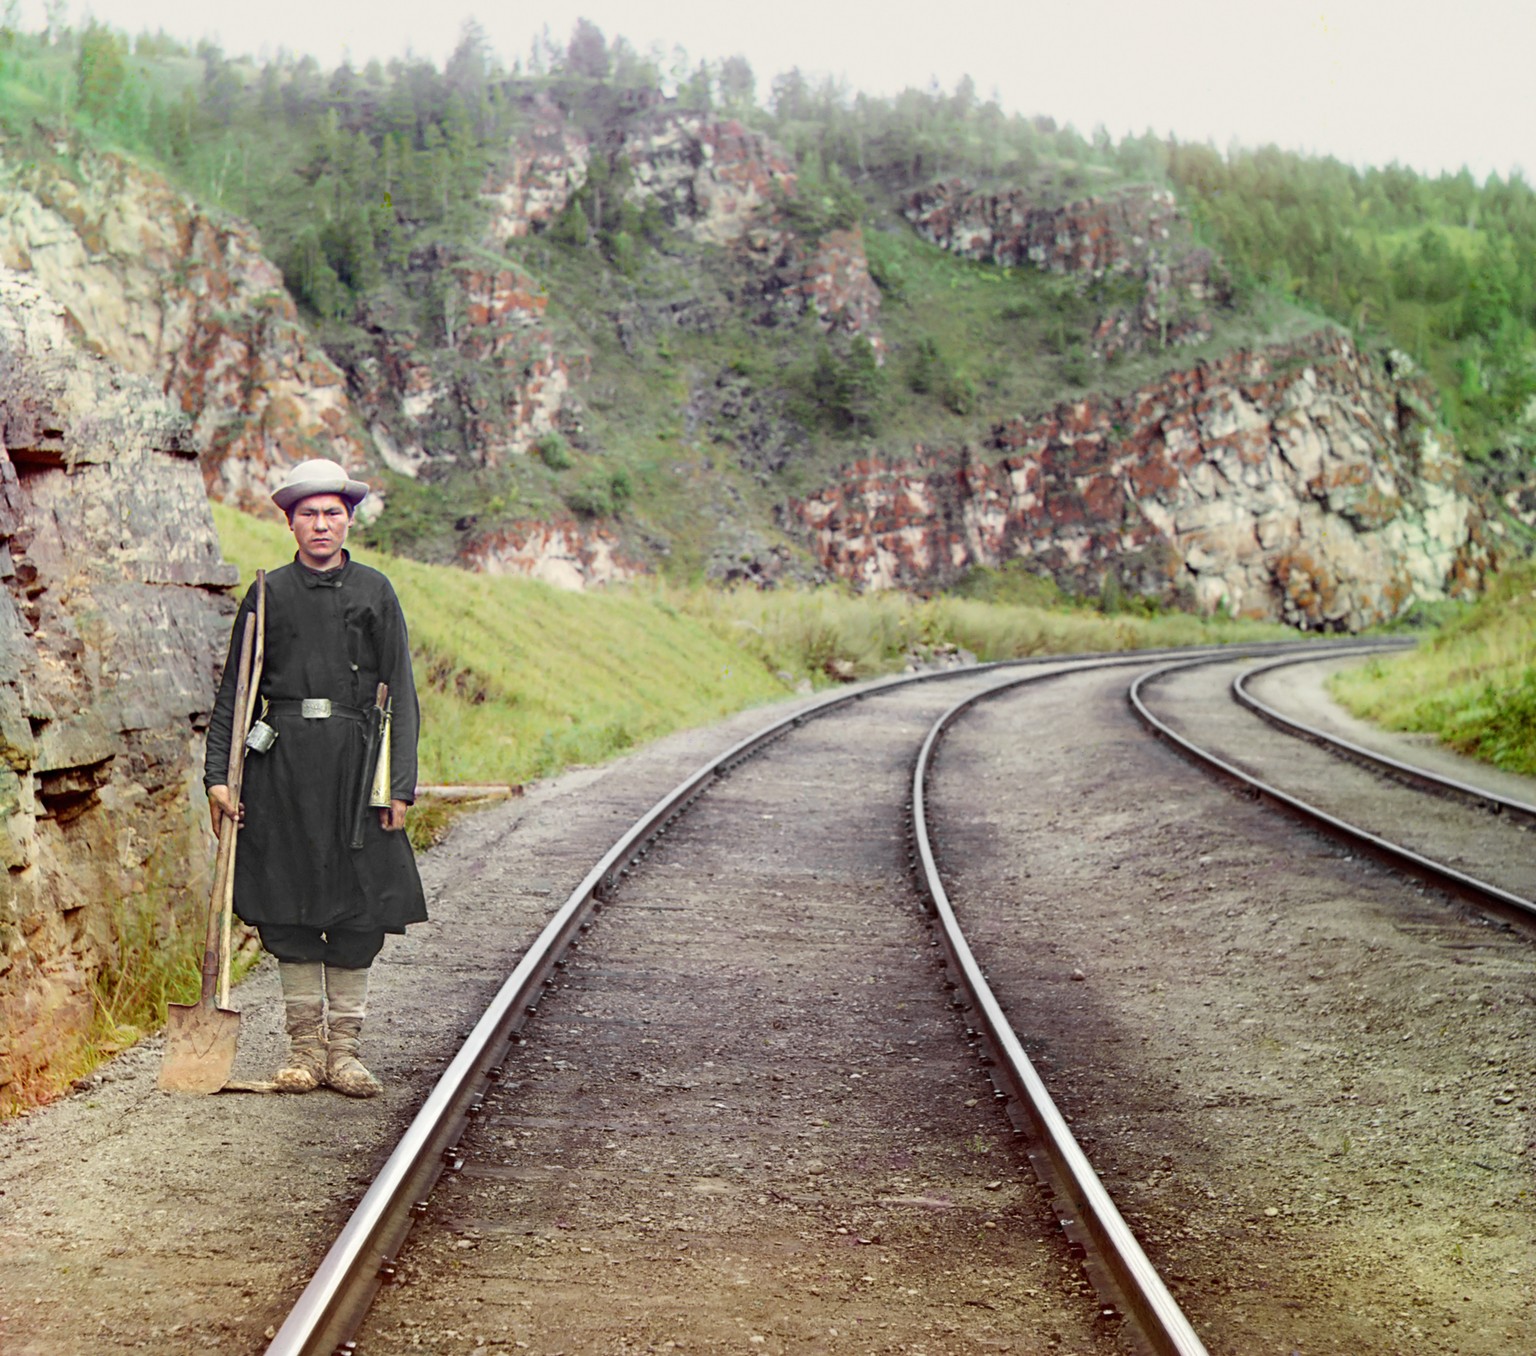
point(565, 553)
point(494, 383)
point(495, 378)
point(721, 184)
point(1136, 234)
point(1303, 483)
point(113, 620)
point(542, 170)
point(827, 278)
point(712, 179)
point(187, 299)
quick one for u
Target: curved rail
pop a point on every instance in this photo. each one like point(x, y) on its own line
point(1497, 900)
point(1410, 773)
point(1122, 1273)
point(362, 1258)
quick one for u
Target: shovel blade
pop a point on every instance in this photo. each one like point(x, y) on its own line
point(200, 1044)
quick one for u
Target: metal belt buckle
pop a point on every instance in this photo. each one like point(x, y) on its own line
point(315, 708)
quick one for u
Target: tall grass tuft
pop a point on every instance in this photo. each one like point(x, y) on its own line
point(156, 959)
point(1472, 683)
point(153, 958)
point(822, 633)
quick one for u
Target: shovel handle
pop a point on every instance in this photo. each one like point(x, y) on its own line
point(227, 825)
point(244, 715)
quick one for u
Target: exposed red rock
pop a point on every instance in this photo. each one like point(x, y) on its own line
point(712, 178)
point(542, 169)
point(565, 553)
point(1301, 483)
point(494, 322)
point(1121, 232)
point(1134, 232)
point(828, 278)
point(186, 298)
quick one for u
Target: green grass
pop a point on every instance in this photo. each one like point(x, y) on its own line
point(1472, 684)
point(821, 633)
point(518, 679)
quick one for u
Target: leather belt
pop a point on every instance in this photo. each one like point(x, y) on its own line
point(315, 708)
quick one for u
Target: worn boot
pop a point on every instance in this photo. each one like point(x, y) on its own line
point(348, 994)
point(304, 1009)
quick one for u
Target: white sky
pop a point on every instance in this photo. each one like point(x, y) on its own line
point(1434, 86)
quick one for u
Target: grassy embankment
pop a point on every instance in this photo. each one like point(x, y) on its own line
point(1472, 683)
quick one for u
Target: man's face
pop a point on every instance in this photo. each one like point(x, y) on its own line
point(320, 526)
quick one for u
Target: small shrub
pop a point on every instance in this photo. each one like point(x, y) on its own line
point(553, 451)
point(621, 487)
point(1076, 366)
point(959, 395)
point(593, 498)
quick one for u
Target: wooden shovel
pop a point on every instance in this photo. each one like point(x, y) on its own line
point(237, 786)
point(200, 1037)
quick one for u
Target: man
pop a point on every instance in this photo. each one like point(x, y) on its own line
point(334, 632)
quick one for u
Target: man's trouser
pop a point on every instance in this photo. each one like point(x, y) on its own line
point(343, 948)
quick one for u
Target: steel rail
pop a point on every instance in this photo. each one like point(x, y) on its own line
point(334, 1303)
point(363, 1256)
point(1123, 1275)
point(1493, 898)
point(1409, 773)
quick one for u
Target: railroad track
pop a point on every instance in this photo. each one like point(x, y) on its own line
point(1412, 774)
point(491, 1117)
point(1361, 808)
point(1307, 1080)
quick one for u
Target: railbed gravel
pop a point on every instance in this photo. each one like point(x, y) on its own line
point(1306, 1080)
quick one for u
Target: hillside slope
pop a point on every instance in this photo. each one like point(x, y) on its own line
point(576, 327)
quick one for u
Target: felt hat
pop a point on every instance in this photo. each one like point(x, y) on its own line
point(318, 476)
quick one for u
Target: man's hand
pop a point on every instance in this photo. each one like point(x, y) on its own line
point(392, 819)
point(221, 803)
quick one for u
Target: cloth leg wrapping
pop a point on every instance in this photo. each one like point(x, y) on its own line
point(304, 1016)
point(347, 991)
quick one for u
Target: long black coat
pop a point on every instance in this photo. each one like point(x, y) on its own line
point(336, 635)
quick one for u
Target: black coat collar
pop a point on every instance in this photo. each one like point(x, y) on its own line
point(324, 579)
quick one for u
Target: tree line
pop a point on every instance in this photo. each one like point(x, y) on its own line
point(350, 174)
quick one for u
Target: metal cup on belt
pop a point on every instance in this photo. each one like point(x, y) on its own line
point(261, 736)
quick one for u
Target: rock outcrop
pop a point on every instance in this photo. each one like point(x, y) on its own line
point(827, 278)
point(711, 178)
point(1117, 233)
point(538, 176)
point(113, 620)
point(186, 298)
point(495, 383)
point(1303, 483)
point(564, 553)
point(1136, 234)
